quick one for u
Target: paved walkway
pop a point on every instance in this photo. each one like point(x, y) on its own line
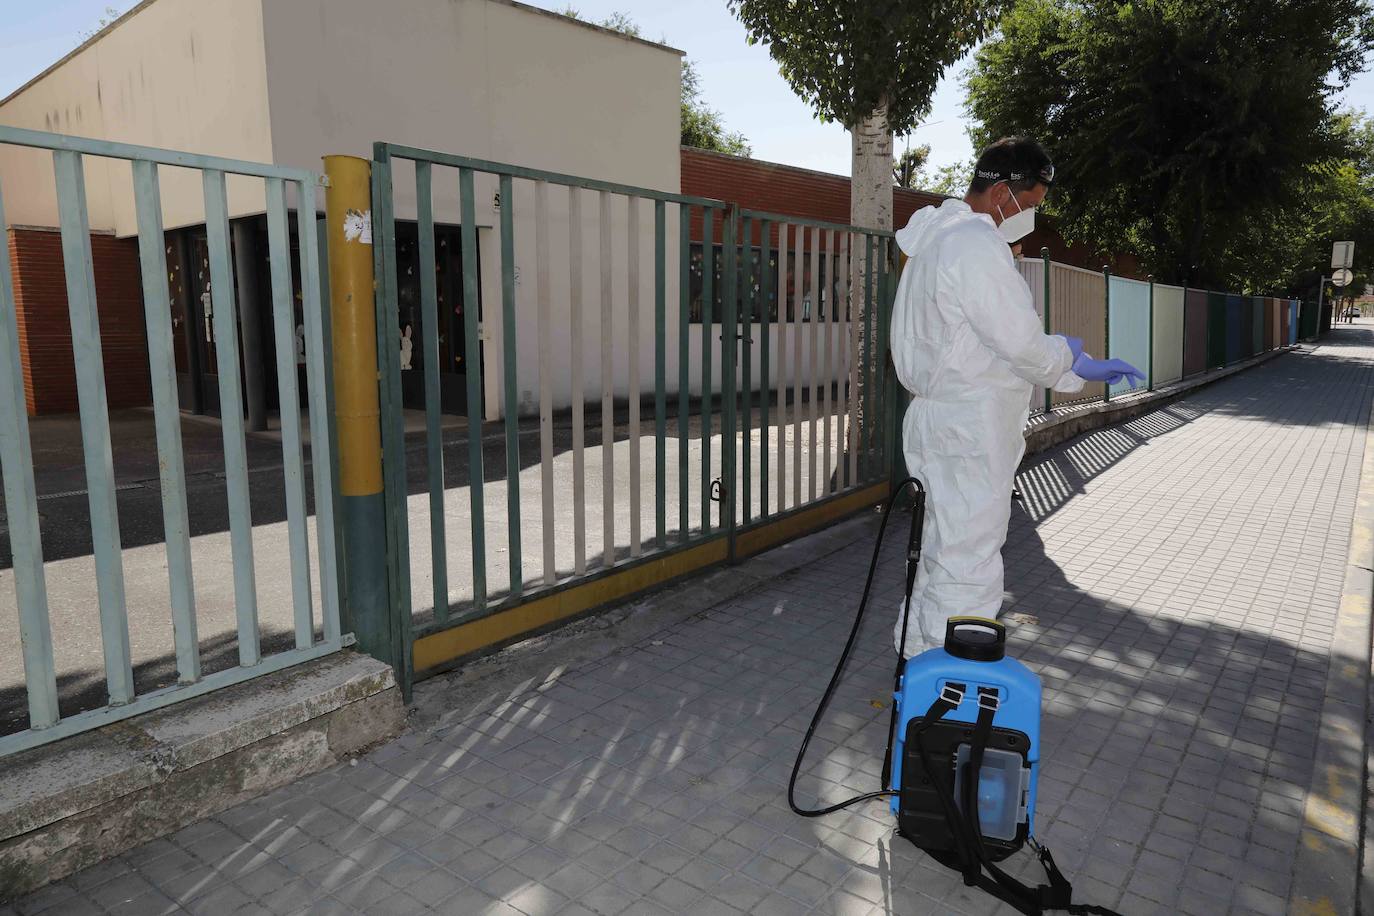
point(1175, 581)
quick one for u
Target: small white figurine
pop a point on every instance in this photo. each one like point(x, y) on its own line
point(407, 345)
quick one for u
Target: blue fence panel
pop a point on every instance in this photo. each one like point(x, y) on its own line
point(1128, 303)
point(1293, 310)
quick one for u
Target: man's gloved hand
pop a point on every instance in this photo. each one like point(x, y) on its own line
point(1075, 345)
point(1110, 371)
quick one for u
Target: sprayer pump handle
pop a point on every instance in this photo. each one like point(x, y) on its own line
point(978, 639)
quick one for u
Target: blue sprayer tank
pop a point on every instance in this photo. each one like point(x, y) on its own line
point(973, 657)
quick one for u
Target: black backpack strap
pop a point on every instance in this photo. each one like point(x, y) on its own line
point(1058, 894)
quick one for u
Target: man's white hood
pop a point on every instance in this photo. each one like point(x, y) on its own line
point(928, 223)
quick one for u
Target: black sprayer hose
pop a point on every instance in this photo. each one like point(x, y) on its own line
point(829, 693)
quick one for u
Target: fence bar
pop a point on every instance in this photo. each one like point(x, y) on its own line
point(879, 349)
point(1107, 324)
point(392, 629)
point(766, 325)
point(783, 230)
point(541, 269)
point(21, 507)
point(886, 380)
point(472, 364)
point(812, 336)
point(607, 388)
point(95, 423)
point(708, 301)
point(176, 525)
point(869, 359)
point(429, 358)
point(453, 160)
point(1045, 260)
point(575, 227)
point(512, 395)
point(1150, 374)
point(319, 389)
point(830, 395)
point(855, 315)
point(660, 374)
point(684, 303)
point(289, 407)
point(746, 298)
point(799, 297)
point(729, 339)
point(632, 329)
point(231, 413)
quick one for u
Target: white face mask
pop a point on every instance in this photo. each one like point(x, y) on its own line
point(1019, 225)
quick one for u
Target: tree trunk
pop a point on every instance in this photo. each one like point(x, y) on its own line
point(870, 196)
point(870, 207)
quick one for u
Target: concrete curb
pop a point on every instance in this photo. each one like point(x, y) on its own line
point(1328, 872)
point(1066, 422)
point(69, 804)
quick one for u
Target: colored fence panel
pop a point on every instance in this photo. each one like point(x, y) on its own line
point(1308, 321)
point(1033, 272)
point(1237, 328)
point(1216, 330)
point(1168, 334)
point(1197, 319)
point(1294, 311)
point(1078, 308)
point(1259, 313)
point(1129, 324)
point(1273, 323)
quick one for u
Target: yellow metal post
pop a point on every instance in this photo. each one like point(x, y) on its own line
point(357, 406)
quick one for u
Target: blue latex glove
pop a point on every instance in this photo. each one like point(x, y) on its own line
point(1075, 345)
point(1111, 371)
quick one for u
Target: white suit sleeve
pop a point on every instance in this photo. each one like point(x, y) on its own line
point(1001, 310)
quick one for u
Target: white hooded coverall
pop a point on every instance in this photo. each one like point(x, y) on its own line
point(968, 344)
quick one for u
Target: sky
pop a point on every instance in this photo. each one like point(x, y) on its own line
point(739, 81)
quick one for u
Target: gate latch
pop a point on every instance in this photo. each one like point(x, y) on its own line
point(717, 490)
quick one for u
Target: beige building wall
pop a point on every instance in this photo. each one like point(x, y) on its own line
point(183, 74)
point(498, 81)
point(289, 81)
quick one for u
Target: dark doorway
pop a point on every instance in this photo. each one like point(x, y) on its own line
point(451, 336)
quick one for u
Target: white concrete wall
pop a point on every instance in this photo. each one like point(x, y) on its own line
point(497, 81)
point(182, 74)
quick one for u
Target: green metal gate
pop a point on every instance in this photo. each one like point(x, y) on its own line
point(506, 528)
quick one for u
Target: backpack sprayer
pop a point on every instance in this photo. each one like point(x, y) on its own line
point(963, 747)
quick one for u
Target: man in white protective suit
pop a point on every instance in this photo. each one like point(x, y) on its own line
point(969, 345)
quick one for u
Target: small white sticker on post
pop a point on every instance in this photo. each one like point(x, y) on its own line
point(357, 226)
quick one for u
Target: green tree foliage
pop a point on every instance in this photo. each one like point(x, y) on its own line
point(702, 126)
point(870, 65)
point(1175, 124)
point(909, 168)
point(847, 57)
point(1289, 247)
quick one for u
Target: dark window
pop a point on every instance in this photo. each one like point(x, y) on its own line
point(827, 264)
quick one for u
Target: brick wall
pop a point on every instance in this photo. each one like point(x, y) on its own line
point(808, 194)
point(45, 338)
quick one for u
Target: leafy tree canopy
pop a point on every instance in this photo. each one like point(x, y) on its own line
point(1176, 125)
point(848, 57)
point(909, 167)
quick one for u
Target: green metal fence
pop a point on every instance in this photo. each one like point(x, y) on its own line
point(724, 398)
point(316, 614)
